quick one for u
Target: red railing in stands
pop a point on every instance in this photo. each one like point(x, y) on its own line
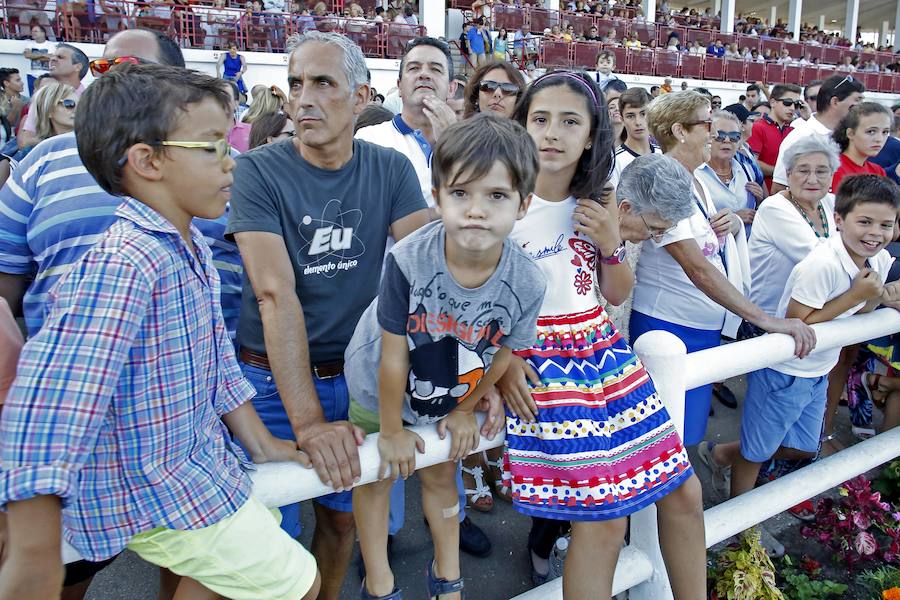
point(204, 26)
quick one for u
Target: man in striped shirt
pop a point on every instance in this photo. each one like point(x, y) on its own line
point(52, 210)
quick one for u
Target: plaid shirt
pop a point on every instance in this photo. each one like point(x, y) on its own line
point(118, 400)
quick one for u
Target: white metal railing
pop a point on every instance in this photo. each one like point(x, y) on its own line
point(640, 568)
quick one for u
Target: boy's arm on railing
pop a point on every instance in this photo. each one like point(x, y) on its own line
point(866, 287)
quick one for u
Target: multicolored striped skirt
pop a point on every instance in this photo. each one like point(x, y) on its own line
point(603, 445)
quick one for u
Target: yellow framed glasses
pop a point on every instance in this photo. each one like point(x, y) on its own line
point(221, 146)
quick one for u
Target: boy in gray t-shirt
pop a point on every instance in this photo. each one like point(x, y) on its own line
point(456, 298)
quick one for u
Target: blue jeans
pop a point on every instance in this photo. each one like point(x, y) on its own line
point(335, 401)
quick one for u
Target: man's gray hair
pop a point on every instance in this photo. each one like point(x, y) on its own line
point(812, 144)
point(354, 62)
point(657, 183)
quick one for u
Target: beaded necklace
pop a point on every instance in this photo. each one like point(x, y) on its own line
point(809, 221)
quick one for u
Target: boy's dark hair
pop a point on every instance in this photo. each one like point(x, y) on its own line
point(755, 107)
point(859, 189)
point(781, 89)
point(469, 149)
point(633, 98)
point(851, 121)
point(754, 88)
point(837, 86)
point(596, 163)
point(428, 41)
point(616, 85)
point(5, 74)
point(79, 58)
point(134, 104)
point(653, 88)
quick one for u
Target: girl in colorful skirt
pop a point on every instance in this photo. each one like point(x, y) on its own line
point(589, 441)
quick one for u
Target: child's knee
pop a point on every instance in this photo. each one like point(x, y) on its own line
point(687, 498)
point(439, 475)
point(603, 532)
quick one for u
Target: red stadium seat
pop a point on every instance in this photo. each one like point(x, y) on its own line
point(747, 41)
point(692, 66)
point(735, 69)
point(585, 54)
point(542, 19)
point(792, 73)
point(663, 32)
point(831, 55)
point(713, 68)
point(580, 21)
point(756, 71)
point(509, 17)
point(813, 51)
point(556, 54)
point(771, 44)
point(886, 83)
point(644, 31)
point(642, 61)
point(667, 63)
point(870, 80)
point(807, 74)
point(774, 73)
point(795, 49)
point(621, 55)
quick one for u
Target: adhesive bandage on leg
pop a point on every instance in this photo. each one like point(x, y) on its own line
point(451, 512)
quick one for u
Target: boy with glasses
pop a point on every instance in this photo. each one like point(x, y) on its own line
point(139, 454)
point(771, 129)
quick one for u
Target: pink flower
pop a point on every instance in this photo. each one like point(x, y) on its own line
point(865, 543)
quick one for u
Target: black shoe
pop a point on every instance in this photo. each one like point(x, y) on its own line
point(361, 566)
point(472, 540)
point(725, 396)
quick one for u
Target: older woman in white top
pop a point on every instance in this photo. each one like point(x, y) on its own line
point(730, 183)
point(792, 222)
point(682, 282)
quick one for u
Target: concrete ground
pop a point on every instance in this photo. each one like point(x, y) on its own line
point(503, 574)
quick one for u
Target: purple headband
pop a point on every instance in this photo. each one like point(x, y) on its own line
point(571, 75)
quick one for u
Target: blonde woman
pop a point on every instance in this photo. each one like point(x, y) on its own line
point(267, 100)
point(54, 110)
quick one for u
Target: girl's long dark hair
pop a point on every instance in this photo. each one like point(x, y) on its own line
point(596, 163)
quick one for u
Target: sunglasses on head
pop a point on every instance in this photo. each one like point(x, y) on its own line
point(68, 103)
point(847, 79)
point(99, 66)
point(731, 136)
point(787, 102)
point(507, 89)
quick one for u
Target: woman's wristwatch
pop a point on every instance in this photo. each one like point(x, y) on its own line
point(617, 257)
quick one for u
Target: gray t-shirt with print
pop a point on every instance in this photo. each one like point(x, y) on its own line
point(453, 332)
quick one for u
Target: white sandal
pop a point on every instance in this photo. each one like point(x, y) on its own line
point(474, 496)
point(500, 488)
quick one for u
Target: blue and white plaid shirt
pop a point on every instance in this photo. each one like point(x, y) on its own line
point(118, 399)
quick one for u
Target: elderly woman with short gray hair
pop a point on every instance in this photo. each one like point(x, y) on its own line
point(682, 283)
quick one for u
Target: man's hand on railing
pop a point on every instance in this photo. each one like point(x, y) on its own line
point(463, 429)
point(398, 453)
point(332, 447)
point(513, 387)
point(803, 334)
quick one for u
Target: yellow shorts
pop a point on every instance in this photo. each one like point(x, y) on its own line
point(246, 556)
point(370, 421)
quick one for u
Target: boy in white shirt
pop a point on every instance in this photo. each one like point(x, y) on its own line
point(785, 404)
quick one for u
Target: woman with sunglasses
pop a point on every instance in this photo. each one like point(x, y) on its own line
point(682, 283)
point(495, 86)
point(730, 183)
point(54, 110)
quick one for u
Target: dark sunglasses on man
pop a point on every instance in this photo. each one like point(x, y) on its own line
point(99, 66)
point(507, 89)
point(732, 136)
point(788, 103)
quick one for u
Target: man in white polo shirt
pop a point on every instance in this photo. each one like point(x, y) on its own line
point(425, 82)
point(836, 97)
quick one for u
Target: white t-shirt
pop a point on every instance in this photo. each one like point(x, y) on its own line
point(38, 68)
point(780, 238)
point(663, 290)
point(826, 273)
point(566, 258)
point(813, 125)
point(388, 135)
point(624, 157)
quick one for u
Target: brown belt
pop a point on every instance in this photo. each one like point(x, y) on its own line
point(325, 370)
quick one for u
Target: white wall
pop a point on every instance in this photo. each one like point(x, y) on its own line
point(268, 69)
